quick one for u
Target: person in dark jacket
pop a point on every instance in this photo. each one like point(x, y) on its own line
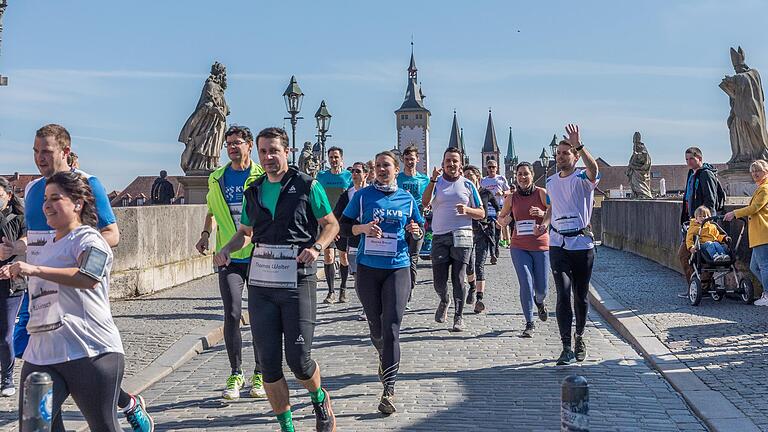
point(162, 190)
point(12, 228)
point(700, 190)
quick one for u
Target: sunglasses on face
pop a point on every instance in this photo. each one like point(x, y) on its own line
point(356, 171)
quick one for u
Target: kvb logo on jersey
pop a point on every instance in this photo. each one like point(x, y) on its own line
point(387, 214)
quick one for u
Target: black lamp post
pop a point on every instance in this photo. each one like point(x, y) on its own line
point(293, 97)
point(3, 5)
point(323, 118)
point(553, 146)
point(544, 159)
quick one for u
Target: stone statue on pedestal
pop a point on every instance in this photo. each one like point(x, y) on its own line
point(749, 138)
point(203, 133)
point(308, 163)
point(639, 169)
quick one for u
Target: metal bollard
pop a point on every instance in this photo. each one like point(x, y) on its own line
point(37, 405)
point(574, 405)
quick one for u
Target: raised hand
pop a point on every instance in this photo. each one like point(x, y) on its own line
point(436, 172)
point(573, 137)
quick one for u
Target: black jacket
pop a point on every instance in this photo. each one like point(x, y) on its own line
point(486, 225)
point(704, 191)
point(12, 226)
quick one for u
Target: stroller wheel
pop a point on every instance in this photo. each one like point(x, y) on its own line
point(746, 291)
point(716, 296)
point(695, 292)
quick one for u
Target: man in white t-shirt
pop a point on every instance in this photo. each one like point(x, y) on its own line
point(570, 194)
point(497, 185)
point(456, 202)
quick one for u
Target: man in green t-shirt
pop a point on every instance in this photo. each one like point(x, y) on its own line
point(287, 217)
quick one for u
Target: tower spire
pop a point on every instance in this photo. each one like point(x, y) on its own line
point(455, 137)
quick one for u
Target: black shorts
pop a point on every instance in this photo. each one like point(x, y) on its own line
point(340, 244)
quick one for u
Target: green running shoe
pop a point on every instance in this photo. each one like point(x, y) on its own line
point(235, 382)
point(257, 387)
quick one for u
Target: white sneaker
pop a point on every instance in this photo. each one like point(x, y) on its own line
point(8, 391)
point(235, 382)
point(762, 301)
point(257, 387)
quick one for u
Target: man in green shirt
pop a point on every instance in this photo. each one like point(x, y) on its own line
point(288, 219)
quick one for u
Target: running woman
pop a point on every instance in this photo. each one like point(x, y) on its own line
point(483, 235)
point(287, 217)
point(571, 194)
point(383, 214)
point(72, 335)
point(335, 181)
point(225, 206)
point(456, 203)
point(415, 183)
point(526, 208)
point(359, 172)
point(52, 147)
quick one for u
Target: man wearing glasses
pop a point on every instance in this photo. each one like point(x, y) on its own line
point(497, 185)
point(414, 182)
point(225, 205)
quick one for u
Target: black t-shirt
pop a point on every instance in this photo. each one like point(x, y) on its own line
point(12, 227)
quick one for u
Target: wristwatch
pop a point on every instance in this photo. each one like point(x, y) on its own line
point(318, 247)
point(579, 147)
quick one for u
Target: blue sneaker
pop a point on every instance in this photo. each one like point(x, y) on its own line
point(138, 418)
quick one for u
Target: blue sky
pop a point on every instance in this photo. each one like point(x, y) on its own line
point(124, 76)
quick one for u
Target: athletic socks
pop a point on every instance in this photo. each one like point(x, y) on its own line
point(344, 270)
point(330, 275)
point(472, 286)
point(479, 296)
point(317, 396)
point(130, 405)
point(286, 421)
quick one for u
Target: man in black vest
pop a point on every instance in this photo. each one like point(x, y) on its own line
point(288, 218)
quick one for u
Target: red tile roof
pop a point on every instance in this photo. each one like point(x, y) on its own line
point(142, 186)
point(20, 181)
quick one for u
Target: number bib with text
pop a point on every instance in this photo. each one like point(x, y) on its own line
point(273, 266)
point(384, 246)
point(462, 238)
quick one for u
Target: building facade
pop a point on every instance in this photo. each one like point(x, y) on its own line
point(413, 119)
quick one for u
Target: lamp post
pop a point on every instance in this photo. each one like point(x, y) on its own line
point(553, 146)
point(544, 159)
point(323, 118)
point(3, 5)
point(293, 97)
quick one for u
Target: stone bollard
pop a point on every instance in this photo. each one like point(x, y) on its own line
point(574, 405)
point(36, 406)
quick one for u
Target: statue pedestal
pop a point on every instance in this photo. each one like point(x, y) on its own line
point(195, 188)
point(737, 181)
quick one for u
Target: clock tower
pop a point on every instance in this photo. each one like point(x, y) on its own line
point(413, 119)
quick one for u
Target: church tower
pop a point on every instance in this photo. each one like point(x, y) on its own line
point(413, 119)
point(510, 160)
point(490, 148)
point(457, 140)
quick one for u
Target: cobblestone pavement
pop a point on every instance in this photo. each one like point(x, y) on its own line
point(725, 343)
point(148, 326)
point(486, 378)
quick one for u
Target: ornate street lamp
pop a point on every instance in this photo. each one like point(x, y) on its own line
point(544, 159)
point(323, 118)
point(293, 97)
point(553, 146)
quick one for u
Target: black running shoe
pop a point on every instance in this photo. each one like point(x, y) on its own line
point(470, 297)
point(387, 402)
point(543, 314)
point(493, 260)
point(580, 349)
point(528, 332)
point(441, 314)
point(566, 356)
point(479, 307)
point(325, 420)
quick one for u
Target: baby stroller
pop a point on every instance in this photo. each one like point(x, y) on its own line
point(703, 264)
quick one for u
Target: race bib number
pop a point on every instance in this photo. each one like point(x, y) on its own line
point(384, 246)
point(462, 239)
point(273, 266)
point(525, 227)
point(44, 311)
point(567, 224)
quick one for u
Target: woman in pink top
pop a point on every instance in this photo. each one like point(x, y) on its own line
point(524, 210)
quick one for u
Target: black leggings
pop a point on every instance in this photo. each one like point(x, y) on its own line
point(572, 270)
point(384, 294)
point(476, 264)
point(284, 314)
point(231, 282)
point(93, 383)
point(414, 247)
point(448, 260)
point(9, 308)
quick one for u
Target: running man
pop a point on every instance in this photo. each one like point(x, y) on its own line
point(570, 195)
point(415, 183)
point(456, 203)
point(497, 185)
point(335, 181)
point(225, 207)
point(287, 217)
point(52, 147)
